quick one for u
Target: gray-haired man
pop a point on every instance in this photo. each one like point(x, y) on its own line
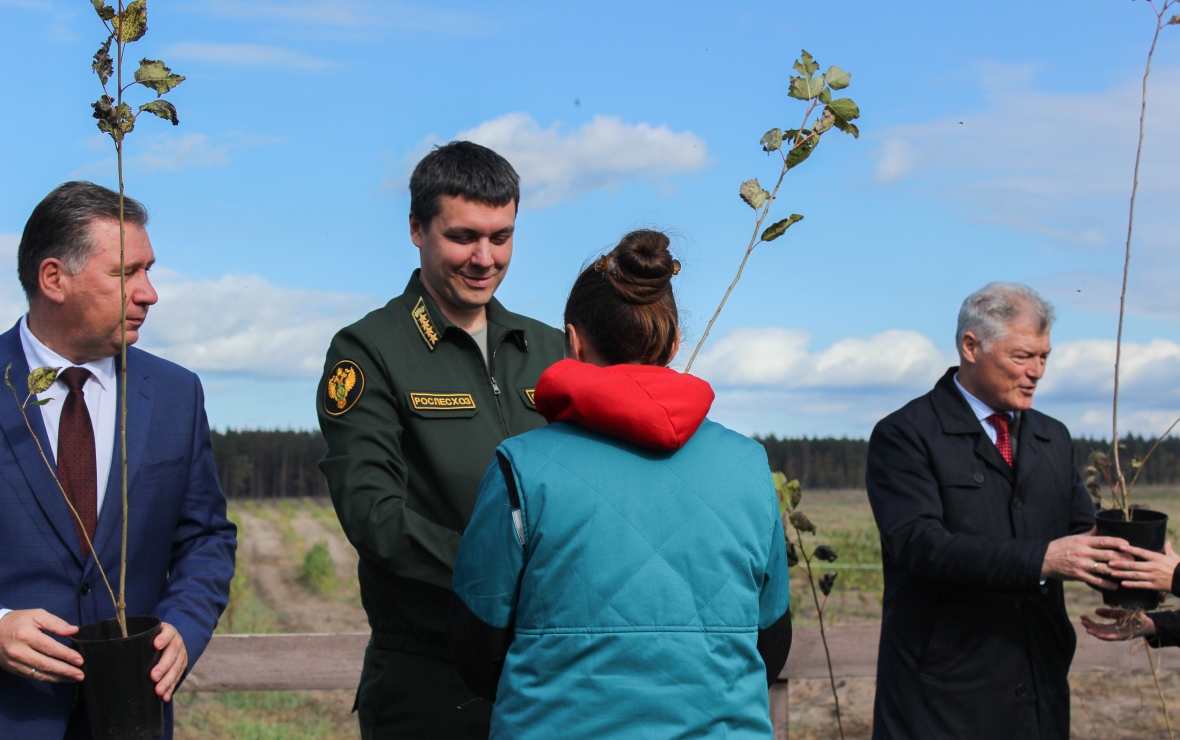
point(982, 514)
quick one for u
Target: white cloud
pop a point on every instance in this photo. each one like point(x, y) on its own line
point(895, 160)
point(1083, 370)
point(246, 325)
point(172, 152)
point(769, 380)
point(780, 358)
point(176, 153)
point(247, 55)
point(601, 155)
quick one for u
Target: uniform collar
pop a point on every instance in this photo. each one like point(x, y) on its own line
point(434, 326)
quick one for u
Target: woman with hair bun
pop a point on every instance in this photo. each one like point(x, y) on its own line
point(624, 573)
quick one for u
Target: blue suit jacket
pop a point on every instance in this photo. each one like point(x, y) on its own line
point(180, 552)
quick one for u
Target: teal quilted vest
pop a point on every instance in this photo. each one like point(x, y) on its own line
point(640, 587)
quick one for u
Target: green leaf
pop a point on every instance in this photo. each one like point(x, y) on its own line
point(806, 65)
point(154, 75)
point(110, 120)
point(103, 65)
point(126, 119)
point(846, 127)
point(131, 24)
point(41, 378)
point(844, 109)
point(790, 493)
point(825, 96)
point(806, 88)
point(801, 152)
point(784, 500)
point(104, 11)
point(163, 109)
point(775, 230)
point(753, 194)
point(772, 140)
point(825, 122)
point(837, 78)
point(42, 402)
point(800, 522)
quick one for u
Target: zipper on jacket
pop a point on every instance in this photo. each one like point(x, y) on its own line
point(496, 392)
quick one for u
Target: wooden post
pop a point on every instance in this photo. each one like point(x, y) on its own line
point(780, 713)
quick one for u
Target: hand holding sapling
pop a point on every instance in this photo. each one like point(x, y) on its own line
point(27, 651)
point(1082, 557)
point(1152, 570)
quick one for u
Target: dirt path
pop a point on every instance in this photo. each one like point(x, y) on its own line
point(273, 563)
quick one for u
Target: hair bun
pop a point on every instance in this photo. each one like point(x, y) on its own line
point(644, 266)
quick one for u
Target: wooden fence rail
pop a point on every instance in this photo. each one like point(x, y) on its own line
point(333, 661)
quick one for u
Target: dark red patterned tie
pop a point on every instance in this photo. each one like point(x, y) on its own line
point(77, 468)
point(1003, 439)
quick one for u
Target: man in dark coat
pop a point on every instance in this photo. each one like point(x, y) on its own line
point(982, 514)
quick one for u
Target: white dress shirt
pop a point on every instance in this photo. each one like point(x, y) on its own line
point(982, 411)
point(101, 402)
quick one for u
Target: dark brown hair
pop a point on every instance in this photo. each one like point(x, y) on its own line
point(464, 170)
point(623, 303)
point(59, 228)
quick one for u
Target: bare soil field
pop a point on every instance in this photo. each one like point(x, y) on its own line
point(274, 593)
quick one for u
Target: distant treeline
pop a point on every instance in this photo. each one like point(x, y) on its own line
point(270, 464)
point(840, 463)
point(274, 464)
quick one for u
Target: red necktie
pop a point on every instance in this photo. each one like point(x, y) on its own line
point(77, 468)
point(1003, 439)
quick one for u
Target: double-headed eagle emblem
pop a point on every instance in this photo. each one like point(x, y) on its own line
point(346, 383)
point(341, 384)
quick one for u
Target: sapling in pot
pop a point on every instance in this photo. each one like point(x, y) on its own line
point(1140, 526)
point(118, 653)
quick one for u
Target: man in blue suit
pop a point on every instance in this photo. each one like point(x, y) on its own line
point(180, 545)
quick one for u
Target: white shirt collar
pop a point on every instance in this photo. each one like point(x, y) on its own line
point(103, 371)
point(981, 409)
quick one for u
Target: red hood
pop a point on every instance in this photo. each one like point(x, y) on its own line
point(650, 406)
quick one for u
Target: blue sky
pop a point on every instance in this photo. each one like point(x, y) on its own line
point(996, 144)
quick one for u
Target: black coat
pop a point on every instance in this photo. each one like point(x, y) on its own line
point(972, 644)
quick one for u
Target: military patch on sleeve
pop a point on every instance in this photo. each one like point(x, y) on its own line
point(442, 401)
point(346, 383)
point(425, 326)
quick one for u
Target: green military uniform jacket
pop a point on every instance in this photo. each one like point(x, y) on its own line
point(412, 416)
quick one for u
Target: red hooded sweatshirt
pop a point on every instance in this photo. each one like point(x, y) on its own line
point(650, 406)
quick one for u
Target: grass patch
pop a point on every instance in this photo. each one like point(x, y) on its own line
point(265, 715)
point(319, 572)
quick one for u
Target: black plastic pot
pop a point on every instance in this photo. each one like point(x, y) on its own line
point(119, 692)
point(1147, 530)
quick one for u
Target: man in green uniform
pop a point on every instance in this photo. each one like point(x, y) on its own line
point(414, 400)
